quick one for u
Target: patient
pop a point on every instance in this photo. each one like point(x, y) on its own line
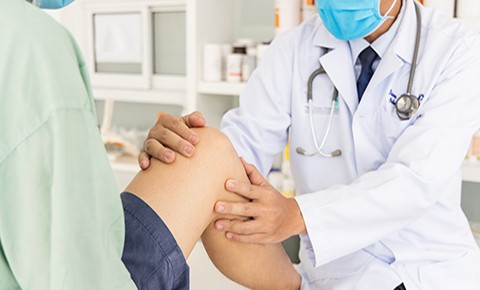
point(61, 219)
point(185, 204)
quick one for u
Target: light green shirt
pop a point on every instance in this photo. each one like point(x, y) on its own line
point(61, 218)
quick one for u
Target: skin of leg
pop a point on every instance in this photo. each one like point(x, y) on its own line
point(184, 193)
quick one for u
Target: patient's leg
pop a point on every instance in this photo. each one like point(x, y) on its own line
point(183, 194)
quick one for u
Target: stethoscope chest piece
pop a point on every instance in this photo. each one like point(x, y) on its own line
point(407, 105)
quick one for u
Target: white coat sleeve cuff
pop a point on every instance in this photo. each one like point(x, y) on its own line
point(317, 225)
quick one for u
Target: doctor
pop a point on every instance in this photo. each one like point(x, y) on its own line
point(392, 110)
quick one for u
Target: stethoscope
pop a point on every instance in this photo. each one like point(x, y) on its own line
point(406, 105)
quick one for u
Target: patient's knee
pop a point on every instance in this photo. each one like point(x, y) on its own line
point(213, 141)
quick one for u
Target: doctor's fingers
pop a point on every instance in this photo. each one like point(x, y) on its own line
point(253, 174)
point(153, 148)
point(181, 125)
point(144, 160)
point(241, 227)
point(243, 209)
point(194, 120)
point(170, 139)
point(251, 239)
point(245, 189)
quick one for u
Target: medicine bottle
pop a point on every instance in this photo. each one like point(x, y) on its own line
point(234, 63)
point(212, 62)
point(287, 14)
point(261, 48)
point(308, 9)
point(249, 63)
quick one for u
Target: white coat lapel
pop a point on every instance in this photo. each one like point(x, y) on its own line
point(338, 66)
point(400, 50)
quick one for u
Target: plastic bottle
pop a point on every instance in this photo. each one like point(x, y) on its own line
point(261, 48)
point(212, 63)
point(275, 178)
point(226, 51)
point(249, 63)
point(234, 63)
point(287, 14)
point(308, 9)
point(288, 186)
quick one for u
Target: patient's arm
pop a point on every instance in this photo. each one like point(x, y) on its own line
point(183, 194)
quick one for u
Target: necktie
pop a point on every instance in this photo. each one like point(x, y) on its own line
point(366, 57)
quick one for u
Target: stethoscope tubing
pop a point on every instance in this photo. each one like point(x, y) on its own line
point(400, 113)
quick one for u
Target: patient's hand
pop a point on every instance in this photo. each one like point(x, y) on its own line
point(171, 135)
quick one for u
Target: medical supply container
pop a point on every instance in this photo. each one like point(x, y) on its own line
point(212, 62)
point(261, 48)
point(226, 51)
point(287, 14)
point(234, 63)
point(249, 63)
point(308, 9)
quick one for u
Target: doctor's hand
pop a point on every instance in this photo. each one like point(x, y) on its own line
point(171, 135)
point(273, 217)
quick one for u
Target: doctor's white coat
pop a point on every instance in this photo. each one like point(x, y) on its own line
point(387, 210)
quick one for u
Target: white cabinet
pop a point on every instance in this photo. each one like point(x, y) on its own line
point(221, 21)
point(136, 50)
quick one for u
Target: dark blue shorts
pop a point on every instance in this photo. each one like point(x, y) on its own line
point(151, 254)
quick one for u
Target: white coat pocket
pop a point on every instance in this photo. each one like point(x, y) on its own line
point(343, 267)
point(322, 108)
point(390, 126)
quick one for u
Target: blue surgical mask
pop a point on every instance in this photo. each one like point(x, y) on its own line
point(51, 4)
point(352, 19)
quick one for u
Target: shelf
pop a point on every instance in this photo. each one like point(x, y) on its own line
point(176, 98)
point(471, 171)
point(222, 88)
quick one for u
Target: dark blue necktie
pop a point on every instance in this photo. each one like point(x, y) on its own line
point(366, 57)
